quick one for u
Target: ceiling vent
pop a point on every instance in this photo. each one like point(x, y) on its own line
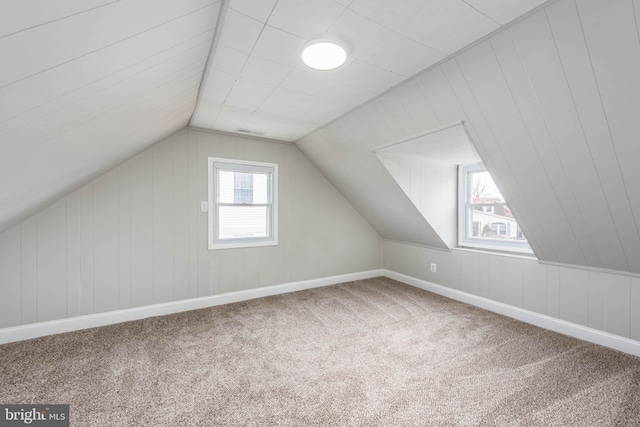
point(250, 132)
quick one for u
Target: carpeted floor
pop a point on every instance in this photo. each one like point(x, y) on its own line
point(367, 353)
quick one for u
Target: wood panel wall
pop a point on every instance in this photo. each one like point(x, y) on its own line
point(601, 300)
point(551, 104)
point(432, 187)
point(135, 236)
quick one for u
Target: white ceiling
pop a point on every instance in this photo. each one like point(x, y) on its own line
point(449, 145)
point(257, 82)
point(85, 84)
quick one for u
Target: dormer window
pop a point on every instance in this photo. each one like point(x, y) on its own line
point(485, 220)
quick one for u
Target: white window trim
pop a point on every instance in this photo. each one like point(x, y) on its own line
point(213, 205)
point(464, 223)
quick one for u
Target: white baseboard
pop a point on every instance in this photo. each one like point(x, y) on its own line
point(25, 332)
point(20, 333)
point(595, 336)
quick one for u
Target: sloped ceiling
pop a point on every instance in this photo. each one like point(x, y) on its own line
point(258, 85)
point(449, 145)
point(86, 84)
point(551, 104)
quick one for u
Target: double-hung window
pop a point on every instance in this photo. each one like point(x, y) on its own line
point(485, 220)
point(243, 199)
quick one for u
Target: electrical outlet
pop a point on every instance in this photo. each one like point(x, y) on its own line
point(204, 206)
point(434, 267)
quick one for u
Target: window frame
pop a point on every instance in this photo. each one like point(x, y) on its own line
point(216, 164)
point(465, 221)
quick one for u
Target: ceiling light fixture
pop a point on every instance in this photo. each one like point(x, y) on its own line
point(324, 55)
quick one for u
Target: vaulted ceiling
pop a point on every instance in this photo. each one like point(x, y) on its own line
point(86, 84)
point(550, 100)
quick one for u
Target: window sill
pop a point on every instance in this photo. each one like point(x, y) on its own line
point(243, 244)
point(524, 254)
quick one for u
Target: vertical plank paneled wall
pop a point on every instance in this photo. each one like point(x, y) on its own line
point(432, 187)
point(597, 299)
point(135, 236)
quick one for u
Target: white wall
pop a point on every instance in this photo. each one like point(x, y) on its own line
point(551, 101)
point(551, 104)
point(135, 236)
point(432, 187)
point(601, 300)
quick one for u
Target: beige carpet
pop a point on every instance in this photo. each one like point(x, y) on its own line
point(367, 353)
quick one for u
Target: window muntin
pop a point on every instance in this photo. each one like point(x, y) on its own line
point(485, 220)
point(242, 203)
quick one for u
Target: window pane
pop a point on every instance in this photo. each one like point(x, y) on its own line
point(483, 189)
point(488, 221)
point(241, 222)
point(243, 187)
point(225, 186)
point(261, 188)
point(499, 225)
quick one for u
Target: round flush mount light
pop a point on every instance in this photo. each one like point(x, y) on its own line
point(324, 55)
